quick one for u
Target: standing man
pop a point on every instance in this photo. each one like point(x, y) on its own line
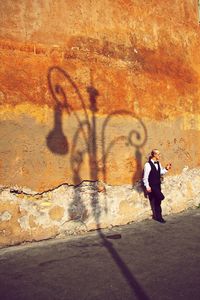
point(152, 182)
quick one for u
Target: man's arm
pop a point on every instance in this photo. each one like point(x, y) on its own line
point(163, 171)
point(147, 169)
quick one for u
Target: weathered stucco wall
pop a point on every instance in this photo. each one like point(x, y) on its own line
point(88, 88)
point(71, 210)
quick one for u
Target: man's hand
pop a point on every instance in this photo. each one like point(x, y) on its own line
point(149, 190)
point(168, 166)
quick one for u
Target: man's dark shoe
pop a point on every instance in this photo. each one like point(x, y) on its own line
point(159, 220)
point(162, 220)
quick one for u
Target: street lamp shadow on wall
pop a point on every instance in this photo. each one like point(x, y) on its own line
point(86, 130)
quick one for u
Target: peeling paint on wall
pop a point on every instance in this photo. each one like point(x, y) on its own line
point(88, 206)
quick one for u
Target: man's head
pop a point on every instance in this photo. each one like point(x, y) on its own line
point(155, 154)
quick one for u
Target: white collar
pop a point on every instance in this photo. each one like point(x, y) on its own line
point(154, 161)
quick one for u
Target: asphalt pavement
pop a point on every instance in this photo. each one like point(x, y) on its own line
point(144, 261)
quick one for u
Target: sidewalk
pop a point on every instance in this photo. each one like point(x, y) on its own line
point(151, 261)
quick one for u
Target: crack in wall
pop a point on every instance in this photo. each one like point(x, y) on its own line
point(27, 216)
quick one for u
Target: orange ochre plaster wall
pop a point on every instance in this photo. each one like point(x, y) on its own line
point(88, 88)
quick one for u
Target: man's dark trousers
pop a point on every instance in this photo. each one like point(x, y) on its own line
point(155, 198)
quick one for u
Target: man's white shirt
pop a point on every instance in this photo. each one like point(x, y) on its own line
point(147, 170)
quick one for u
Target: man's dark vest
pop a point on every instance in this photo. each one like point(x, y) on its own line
point(154, 175)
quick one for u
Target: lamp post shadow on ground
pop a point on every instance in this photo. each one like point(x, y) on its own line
point(87, 130)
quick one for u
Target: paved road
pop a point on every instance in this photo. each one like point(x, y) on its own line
point(150, 261)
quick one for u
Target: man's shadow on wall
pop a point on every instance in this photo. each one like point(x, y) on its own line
point(87, 131)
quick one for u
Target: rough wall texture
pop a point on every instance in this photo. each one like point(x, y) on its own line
point(71, 210)
point(87, 88)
